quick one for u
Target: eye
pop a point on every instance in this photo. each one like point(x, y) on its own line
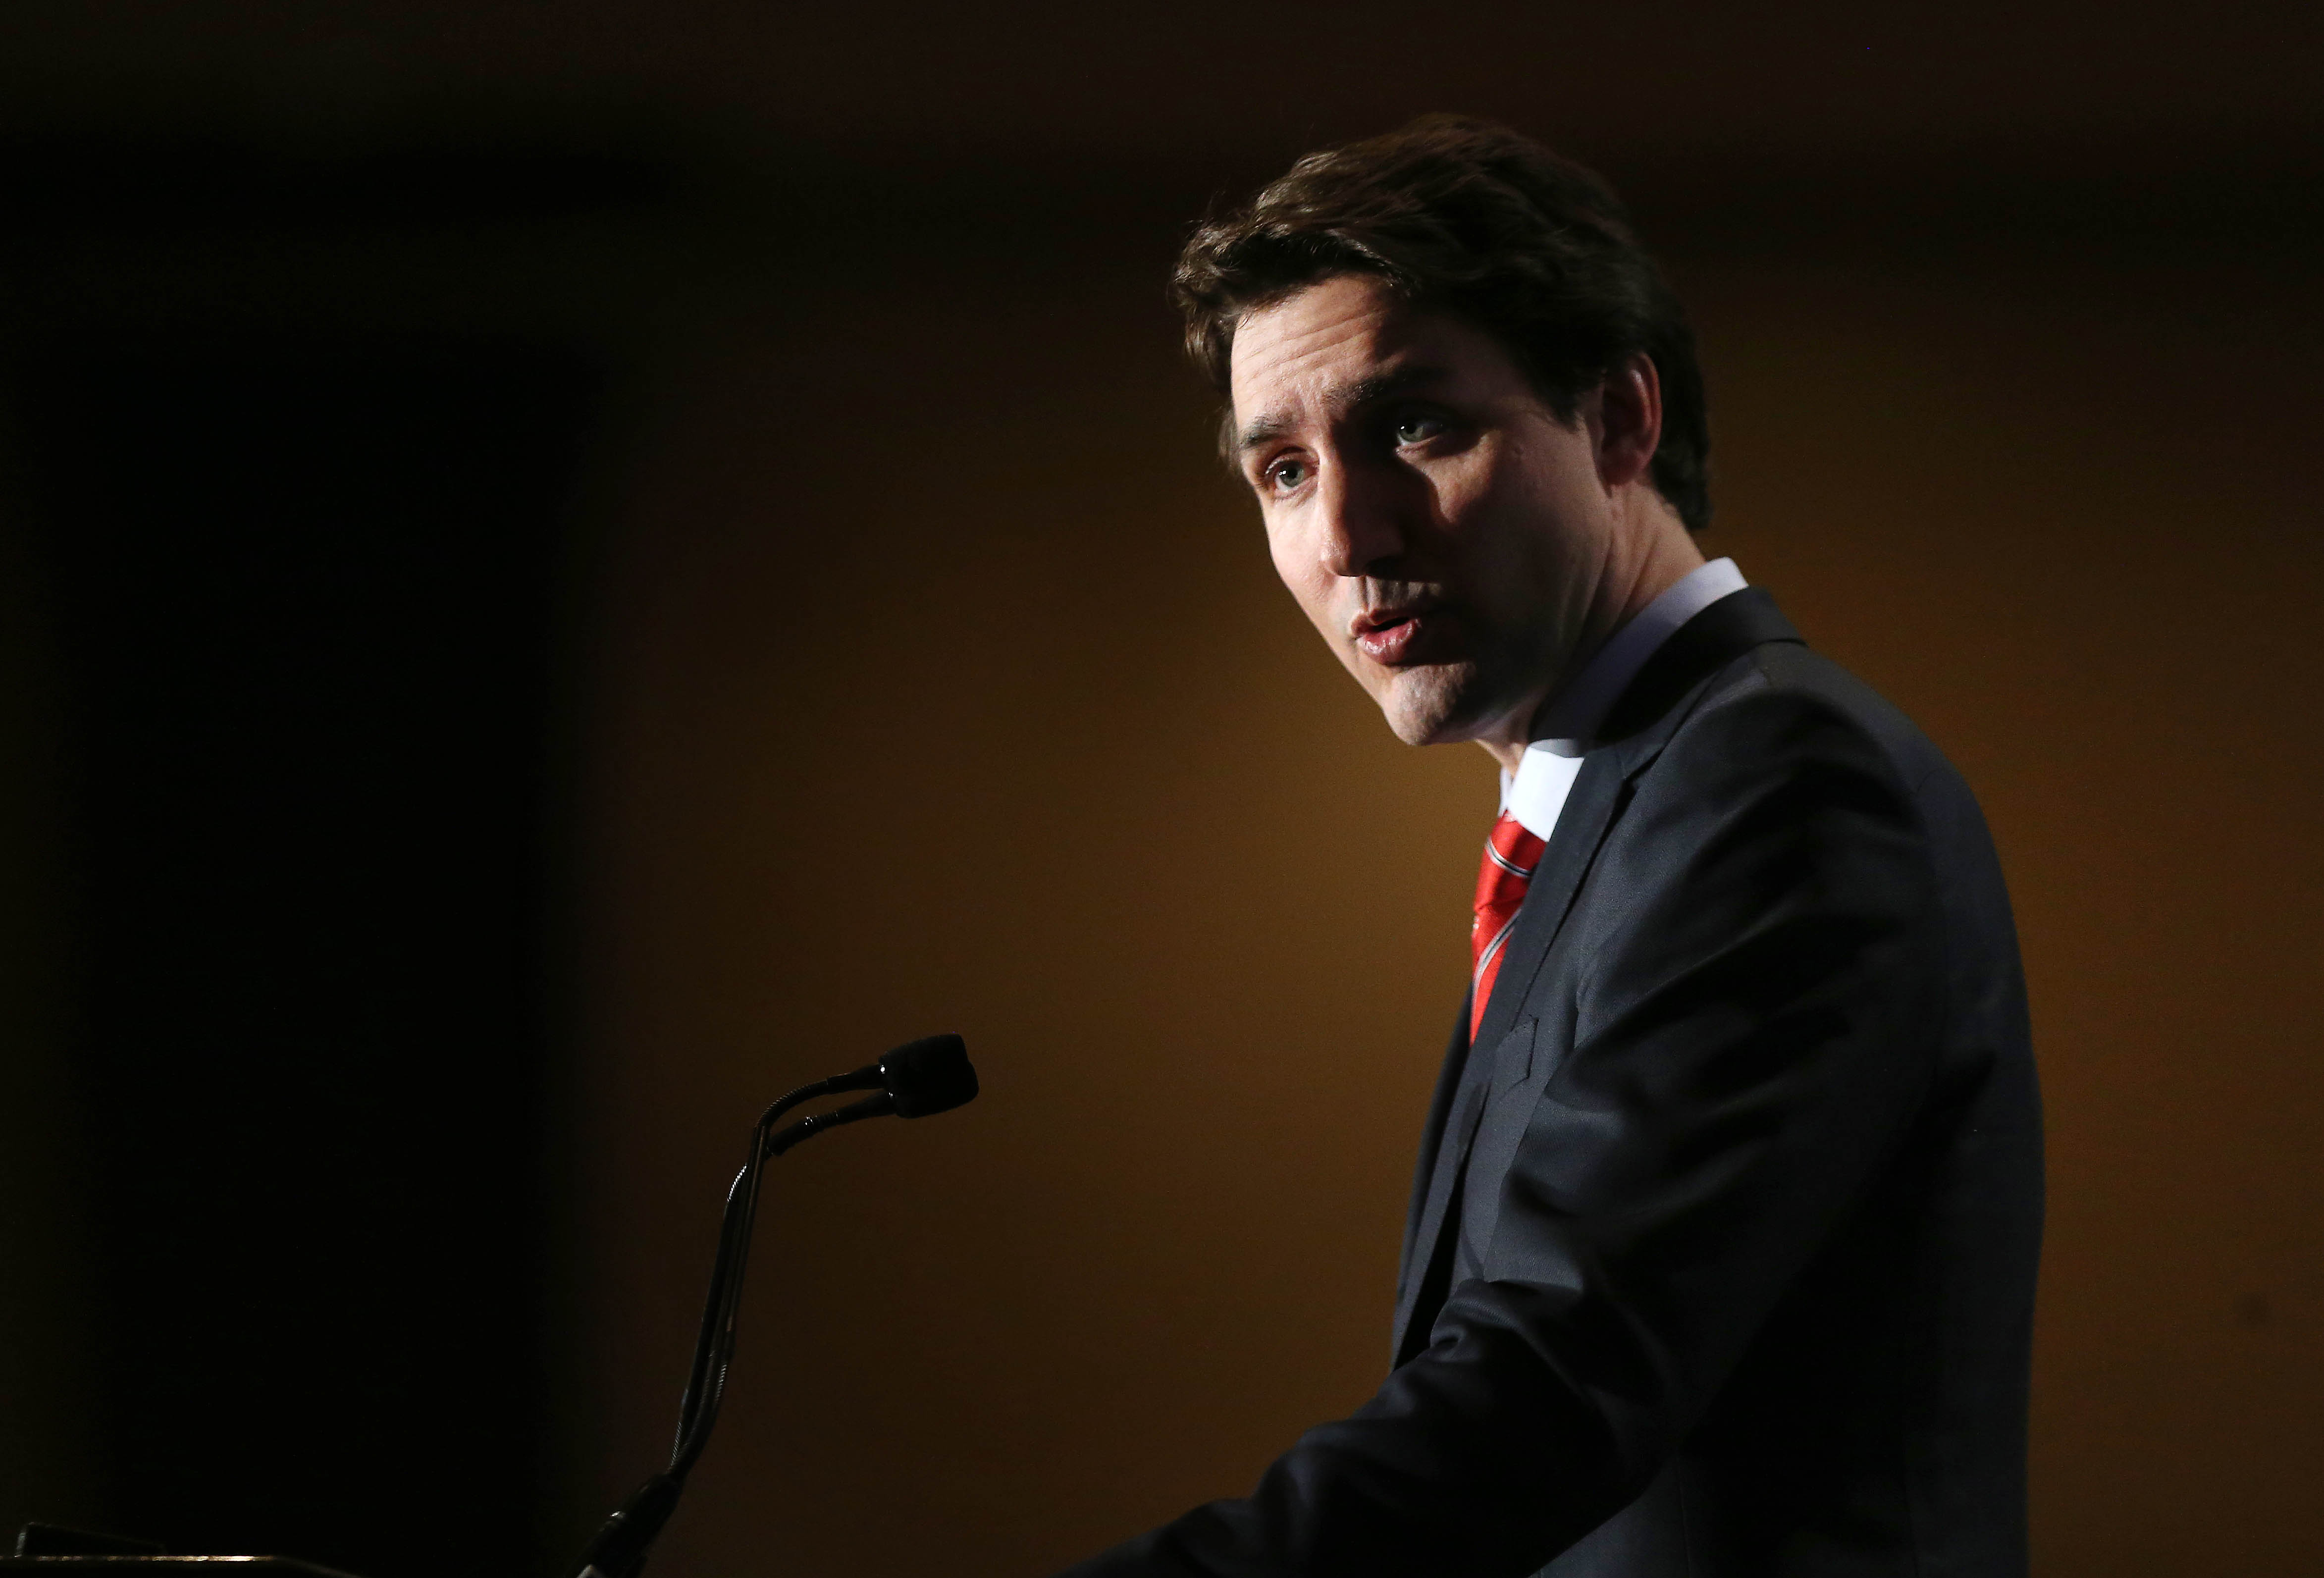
point(1286, 473)
point(1417, 427)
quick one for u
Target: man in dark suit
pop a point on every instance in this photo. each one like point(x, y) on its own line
point(1723, 1236)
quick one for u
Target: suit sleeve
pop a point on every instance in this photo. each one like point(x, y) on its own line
point(1752, 1035)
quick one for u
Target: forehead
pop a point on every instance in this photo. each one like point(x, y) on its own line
point(1297, 358)
point(1348, 323)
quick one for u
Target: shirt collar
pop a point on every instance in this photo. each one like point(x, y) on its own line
point(1568, 724)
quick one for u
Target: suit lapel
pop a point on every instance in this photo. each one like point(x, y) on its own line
point(1581, 828)
point(1640, 720)
point(1432, 1276)
point(1432, 1143)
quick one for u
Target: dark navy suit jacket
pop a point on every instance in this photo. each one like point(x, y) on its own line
point(1722, 1244)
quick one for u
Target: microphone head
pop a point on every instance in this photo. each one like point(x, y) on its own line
point(931, 1075)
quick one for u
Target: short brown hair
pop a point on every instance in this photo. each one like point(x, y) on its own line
point(1477, 220)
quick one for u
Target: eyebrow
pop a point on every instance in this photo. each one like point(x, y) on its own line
point(1373, 391)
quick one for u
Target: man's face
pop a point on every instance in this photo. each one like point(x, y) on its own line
point(1446, 533)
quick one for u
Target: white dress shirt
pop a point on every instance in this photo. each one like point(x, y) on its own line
point(1536, 792)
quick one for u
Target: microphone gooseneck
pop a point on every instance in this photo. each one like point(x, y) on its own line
point(808, 1128)
point(918, 1079)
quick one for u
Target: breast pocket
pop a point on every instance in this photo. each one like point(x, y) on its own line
point(1513, 1059)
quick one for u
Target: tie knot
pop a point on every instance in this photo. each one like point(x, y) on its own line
point(1510, 855)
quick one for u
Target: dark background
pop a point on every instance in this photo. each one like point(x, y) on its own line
point(563, 569)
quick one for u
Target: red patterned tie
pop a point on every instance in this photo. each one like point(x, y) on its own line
point(1511, 853)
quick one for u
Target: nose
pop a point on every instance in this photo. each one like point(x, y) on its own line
point(1360, 519)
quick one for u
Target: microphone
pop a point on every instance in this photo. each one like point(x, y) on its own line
point(917, 1080)
point(927, 1077)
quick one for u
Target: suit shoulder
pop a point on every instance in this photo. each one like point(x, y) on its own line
point(1779, 698)
point(1784, 720)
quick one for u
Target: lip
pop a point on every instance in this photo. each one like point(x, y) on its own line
point(1395, 638)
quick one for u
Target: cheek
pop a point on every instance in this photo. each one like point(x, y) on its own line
point(1483, 504)
point(1319, 594)
point(1303, 577)
point(1490, 526)
point(1522, 543)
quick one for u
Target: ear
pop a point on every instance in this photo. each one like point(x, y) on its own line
point(1630, 421)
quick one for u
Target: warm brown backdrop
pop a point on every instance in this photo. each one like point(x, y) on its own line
point(979, 708)
point(931, 676)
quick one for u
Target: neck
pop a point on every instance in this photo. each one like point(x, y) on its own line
point(1652, 551)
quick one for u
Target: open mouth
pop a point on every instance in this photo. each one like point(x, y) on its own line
point(1396, 636)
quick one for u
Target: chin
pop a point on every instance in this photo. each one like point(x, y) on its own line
point(1425, 706)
